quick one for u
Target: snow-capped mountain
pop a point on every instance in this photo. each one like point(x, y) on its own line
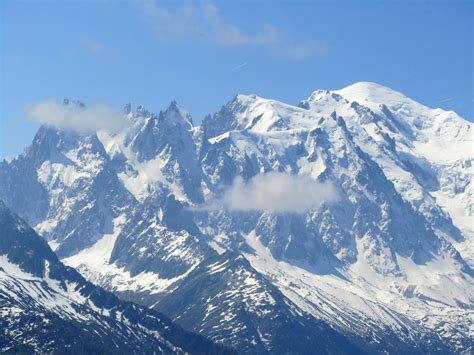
point(47, 307)
point(385, 264)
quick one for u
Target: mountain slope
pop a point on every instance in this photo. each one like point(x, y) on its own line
point(47, 307)
point(235, 305)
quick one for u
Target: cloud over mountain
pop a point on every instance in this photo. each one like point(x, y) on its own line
point(277, 192)
point(76, 116)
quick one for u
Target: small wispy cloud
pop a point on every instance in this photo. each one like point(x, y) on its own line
point(240, 66)
point(446, 100)
point(302, 51)
point(276, 192)
point(94, 46)
point(76, 117)
point(205, 23)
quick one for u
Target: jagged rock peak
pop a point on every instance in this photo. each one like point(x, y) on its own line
point(127, 108)
point(73, 103)
point(177, 114)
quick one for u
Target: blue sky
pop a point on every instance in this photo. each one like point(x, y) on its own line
point(204, 53)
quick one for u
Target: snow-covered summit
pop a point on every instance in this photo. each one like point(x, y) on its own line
point(372, 92)
point(260, 115)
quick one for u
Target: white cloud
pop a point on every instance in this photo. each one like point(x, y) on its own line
point(302, 51)
point(276, 192)
point(205, 23)
point(94, 46)
point(202, 21)
point(76, 117)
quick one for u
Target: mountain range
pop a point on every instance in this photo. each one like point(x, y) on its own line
point(342, 224)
